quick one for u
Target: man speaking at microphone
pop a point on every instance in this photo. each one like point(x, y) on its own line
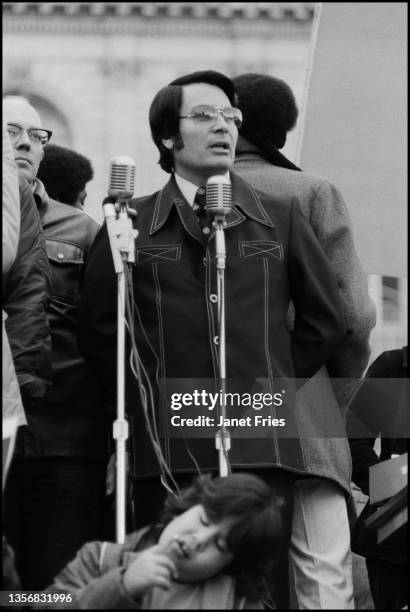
point(272, 257)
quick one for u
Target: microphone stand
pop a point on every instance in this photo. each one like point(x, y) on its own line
point(222, 437)
point(122, 236)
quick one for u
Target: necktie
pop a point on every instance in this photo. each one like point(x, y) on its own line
point(199, 208)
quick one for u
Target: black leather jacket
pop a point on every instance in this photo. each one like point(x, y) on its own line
point(72, 421)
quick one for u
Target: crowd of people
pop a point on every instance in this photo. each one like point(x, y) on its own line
point(276, 531)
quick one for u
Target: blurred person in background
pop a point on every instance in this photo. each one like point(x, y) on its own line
point(11, 203)
point(64, 174)
point(320, 562)
point(25, 279)
point(269, 112)
point(12, 404)
point(26, 276)
point(54, 497)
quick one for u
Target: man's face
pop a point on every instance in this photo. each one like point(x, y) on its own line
point(209, 147)
point(27, 154)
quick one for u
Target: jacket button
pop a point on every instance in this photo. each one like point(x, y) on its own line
point(60, 255)
point(204, 261)
point(206, 230)
point(214, 298)
point(216, 339)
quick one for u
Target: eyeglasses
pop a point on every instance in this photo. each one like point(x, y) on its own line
point(204, 113)
point(36, 135)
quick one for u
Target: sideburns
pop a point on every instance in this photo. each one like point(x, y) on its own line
point(178, 142)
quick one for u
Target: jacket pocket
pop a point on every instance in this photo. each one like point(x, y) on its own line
point(160, 253)
point(261, 249)
point(66, 262)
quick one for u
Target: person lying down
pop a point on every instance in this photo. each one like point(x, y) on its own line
point(214, 548)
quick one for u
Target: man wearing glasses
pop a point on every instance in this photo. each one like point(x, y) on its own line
point(272, 257)
point(55, 492)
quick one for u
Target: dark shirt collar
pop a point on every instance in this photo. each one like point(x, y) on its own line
point(270, 155)
point(244, 198)
point(244, 146)
point(40, 194)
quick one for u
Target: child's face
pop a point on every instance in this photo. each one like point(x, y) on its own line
point(197, 546)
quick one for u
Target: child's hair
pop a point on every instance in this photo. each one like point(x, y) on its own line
point(255, 535)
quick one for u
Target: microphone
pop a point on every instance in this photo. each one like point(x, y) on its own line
point(219, 204)
point(122, 177)
point(119, 225)
point(218, 196)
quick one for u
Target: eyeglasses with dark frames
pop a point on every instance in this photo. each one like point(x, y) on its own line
point(36, 135)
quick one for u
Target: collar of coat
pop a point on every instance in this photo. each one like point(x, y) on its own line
point(40, 193)
point(245, 203)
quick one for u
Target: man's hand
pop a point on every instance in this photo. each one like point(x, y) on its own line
point(151, 568)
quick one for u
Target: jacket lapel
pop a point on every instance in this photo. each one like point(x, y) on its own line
point(169, 197)
point(245, 200)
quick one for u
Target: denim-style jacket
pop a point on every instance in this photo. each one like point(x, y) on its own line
point(273, 257)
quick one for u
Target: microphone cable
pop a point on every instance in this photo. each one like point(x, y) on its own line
point(154, 437)
point(147, 400)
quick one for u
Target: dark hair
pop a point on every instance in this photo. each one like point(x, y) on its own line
point(165, 107)
point(254, 537)
point(64, 173)
point(269, 111)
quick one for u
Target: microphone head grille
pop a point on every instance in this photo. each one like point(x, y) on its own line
point(122, 177)
point(218, 195)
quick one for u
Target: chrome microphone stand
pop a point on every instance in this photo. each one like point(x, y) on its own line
point(222, 440)
point(122, 237)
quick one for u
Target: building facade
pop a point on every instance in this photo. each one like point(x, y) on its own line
point(92, 69)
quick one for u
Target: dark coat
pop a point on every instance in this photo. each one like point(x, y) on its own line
point(72, 421)
point(25, 297)
point(273, 257)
